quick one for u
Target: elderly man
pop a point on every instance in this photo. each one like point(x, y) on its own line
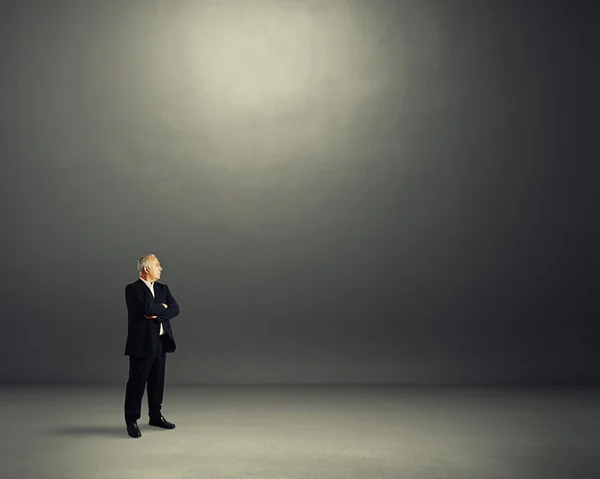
point(150, 307)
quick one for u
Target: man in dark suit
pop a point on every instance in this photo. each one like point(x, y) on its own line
point(150, 307)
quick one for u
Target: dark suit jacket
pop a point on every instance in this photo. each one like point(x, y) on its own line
point(142, 333)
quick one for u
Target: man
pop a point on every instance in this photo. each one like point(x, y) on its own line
point(150, 307)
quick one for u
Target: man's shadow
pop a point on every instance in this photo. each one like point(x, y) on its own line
point(105, 431)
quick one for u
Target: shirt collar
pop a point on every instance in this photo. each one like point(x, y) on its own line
point(148, 283)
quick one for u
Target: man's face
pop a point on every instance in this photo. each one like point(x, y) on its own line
point(154, 269)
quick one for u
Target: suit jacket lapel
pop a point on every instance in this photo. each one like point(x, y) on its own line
point(146, 290)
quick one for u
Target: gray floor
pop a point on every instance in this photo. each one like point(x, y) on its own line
point(305, 432)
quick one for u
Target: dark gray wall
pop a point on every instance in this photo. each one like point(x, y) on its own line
point(338, 191)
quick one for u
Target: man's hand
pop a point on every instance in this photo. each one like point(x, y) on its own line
point(150, 317)
point(165, 305)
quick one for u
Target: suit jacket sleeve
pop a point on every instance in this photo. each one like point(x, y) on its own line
point(139, 305)
point(171, 311)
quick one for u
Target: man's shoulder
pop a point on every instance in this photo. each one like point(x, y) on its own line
point(135, 283)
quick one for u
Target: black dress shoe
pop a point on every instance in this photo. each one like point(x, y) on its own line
point(133, 430)
point(162, 422)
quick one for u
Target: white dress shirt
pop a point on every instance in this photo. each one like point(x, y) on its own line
point(151, 288)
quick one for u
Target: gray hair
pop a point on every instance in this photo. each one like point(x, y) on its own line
point(144, 262)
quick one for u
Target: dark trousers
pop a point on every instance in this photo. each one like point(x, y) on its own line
point(144, 371)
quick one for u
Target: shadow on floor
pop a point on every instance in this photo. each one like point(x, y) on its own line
point(106, 431)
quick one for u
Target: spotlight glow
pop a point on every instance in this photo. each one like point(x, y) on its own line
point(253, 61)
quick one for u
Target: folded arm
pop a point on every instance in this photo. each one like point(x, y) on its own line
point(139, 304)
point(171, 310)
